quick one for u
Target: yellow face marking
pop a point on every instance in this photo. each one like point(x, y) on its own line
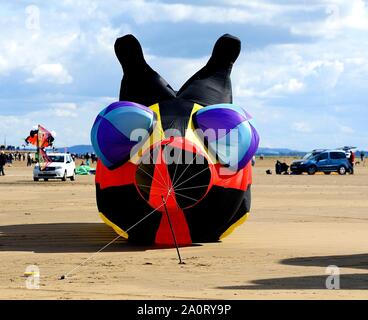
point(193, 137)
point(117, 229)
point(234, 226)
point(157, 135)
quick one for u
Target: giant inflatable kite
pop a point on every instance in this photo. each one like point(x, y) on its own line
point(174, 159)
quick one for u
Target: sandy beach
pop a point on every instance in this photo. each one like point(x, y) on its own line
point(298, 226)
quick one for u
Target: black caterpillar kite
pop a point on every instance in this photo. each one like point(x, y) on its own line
point(154, 152)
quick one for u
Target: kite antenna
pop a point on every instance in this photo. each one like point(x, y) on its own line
point(172, 231)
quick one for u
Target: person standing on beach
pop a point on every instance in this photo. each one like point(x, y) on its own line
point(362, 155)
point(352, 158)
point(2, 163)
point(352, 161)
point(29, 160)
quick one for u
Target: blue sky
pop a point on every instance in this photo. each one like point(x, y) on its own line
point(302, 72)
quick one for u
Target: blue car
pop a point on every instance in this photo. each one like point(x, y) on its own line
point(326, 161)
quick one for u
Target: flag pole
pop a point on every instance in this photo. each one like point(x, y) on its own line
point(38, 146)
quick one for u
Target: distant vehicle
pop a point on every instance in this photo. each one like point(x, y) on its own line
point(326, 161)
point(62, 167)
point(348, 150)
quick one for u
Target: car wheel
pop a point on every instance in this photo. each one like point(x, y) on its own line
point(342, 170)
point(64, 177)
point(312, 170)
point(72, 178)
point(45, 179)
point(327, 173)
point(36, 179)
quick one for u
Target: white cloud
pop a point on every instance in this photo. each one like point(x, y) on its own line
point(55, 116)
point(148, 12)
point(176, 70)
point(107, 36)
point(64, 110)
point(325, 73)
point(335, 16)
point(346, 129)
point(358, 15)
point(301, 127)
point(288, 70)
point(279, 84)
point(65, 105)
point(14, 128)
point(340, 16)
point(290, 86)
point(64, 113)
point(69, 34)
point(50, 72)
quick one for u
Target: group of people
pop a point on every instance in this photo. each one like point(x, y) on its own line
point(16, 156)
point(352, 159)
point(281, 167)
point(87, 158)
point(9, 158)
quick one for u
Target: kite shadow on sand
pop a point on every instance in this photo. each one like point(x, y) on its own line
point(64, 237)
point(348, 281)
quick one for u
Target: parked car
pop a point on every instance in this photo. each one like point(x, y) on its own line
point(326, 161)
point(62, 167)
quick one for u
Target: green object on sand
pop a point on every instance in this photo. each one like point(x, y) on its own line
point(83, 170)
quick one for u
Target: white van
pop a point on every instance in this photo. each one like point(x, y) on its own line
point(62, 167)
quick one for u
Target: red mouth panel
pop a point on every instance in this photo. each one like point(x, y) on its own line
point(175, 172)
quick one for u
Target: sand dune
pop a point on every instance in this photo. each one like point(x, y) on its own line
point(299, 225)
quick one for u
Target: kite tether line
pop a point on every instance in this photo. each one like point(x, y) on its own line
point(62, 277)
point(175, 183)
